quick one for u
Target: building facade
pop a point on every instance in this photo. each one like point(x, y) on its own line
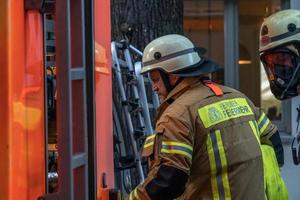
point(229, 30)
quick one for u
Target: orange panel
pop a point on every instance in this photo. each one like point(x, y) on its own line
point(33, 92)
point(103, 94)
point(4, 100)
point(22, 162)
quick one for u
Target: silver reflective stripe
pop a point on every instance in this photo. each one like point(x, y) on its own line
point(218, 165)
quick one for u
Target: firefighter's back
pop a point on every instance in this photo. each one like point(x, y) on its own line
point(227, 161)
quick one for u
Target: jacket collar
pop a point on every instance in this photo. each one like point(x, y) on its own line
point(183, 86)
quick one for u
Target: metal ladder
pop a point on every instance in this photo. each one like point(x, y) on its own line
point(132, 118)
point(75, 100)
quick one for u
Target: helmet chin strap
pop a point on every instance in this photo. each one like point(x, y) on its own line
point(291, 81)
point(166, 80)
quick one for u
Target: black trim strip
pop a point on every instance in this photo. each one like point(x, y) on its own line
point(172, 55)
point(284, 35)
point(218, 164)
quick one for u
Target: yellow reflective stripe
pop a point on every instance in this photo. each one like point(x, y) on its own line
point(261, 130)
point(262, 116)
point(263, 123)
point(177, 148)
point(149, 141)
point(175, 151)
point(218, 164)
point(213, 170)
point(131, 196)
point(254, 128)
point(136, 195)
point(178, 144)
point(150, 137)
point(148, 145)
point(224, 165)
point(224, 110)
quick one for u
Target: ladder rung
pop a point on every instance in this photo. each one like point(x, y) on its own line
point(79, 160)
point(122, 63)
point(50, 63)
point(150, 105)
point(128, 166)
point(77, 73)
point(124, 160)
point(50, 43)
point(50, 24)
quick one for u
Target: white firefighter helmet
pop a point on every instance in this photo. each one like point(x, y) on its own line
point(279, 52)
point(280, 28)
point(175, 54)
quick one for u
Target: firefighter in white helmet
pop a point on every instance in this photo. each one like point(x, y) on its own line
point(207, 137)
point(280, 52)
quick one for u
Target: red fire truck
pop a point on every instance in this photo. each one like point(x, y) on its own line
point(83, 98)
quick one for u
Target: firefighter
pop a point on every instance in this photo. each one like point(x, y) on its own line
point(280, 52)
point(207, 137)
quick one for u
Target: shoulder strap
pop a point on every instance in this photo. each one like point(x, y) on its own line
point(215, 88)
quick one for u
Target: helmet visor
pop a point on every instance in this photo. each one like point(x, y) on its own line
point(279, 65)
